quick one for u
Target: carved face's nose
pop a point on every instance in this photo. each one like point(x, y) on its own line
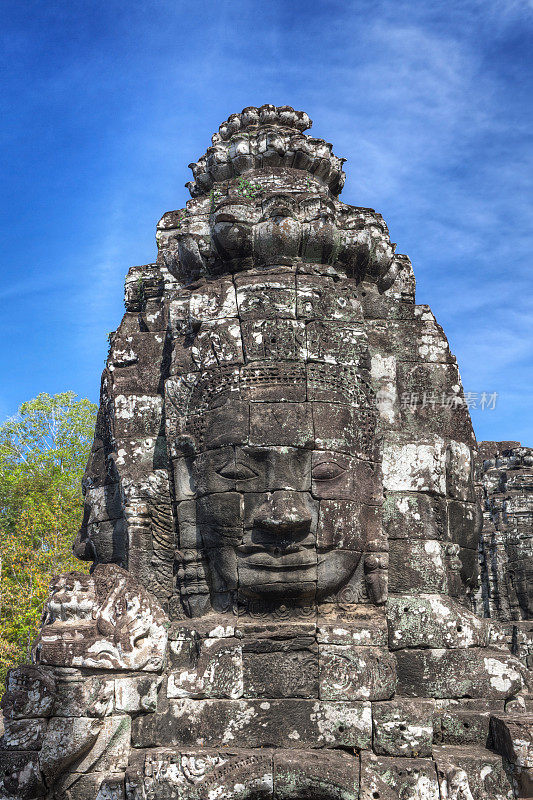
point(284, 514)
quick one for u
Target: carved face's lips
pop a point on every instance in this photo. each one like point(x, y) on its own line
point(290, 558)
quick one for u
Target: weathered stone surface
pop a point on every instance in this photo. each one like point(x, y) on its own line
point(522, 781)
point(281, 668)
point(259, 723)
point(512, 737)
point(92, 786)
point(415, 467)
point(169, 773)
point(403, 727)
point(68, 740)
point(414, 516)
point(366, 626)
point(136, 693)
point(433, 621)
point(83, 745)
point(30, 692)
point(21, 734)
point(471, 772)
point(79, 695)
point(316, 774)
point(463, 722)
point(419, 565)
point(473, 672)
point(210, 667)
point(107, 620)
point(356, 673)
point(391, 778)
point(504, 487)
point(20, 777)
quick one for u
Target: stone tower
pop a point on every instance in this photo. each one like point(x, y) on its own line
point(281, 514)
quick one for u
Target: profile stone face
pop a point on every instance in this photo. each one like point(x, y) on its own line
point(283, 517)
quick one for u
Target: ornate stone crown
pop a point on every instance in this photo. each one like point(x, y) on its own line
point(266, 195)
point(263, 138)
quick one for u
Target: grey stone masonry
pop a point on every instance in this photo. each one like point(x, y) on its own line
point(285, 580)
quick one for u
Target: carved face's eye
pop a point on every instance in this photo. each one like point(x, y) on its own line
point(327, 470)
point(237, 472)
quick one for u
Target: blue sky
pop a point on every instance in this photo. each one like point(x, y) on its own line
point(105, 103)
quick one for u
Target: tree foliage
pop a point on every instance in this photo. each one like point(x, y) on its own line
point(43, 452)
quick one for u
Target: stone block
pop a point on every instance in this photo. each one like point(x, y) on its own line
point(417, 340)
point(522, 780)
point(463, 570)
point(367, 626)
point(337, 343)
point(339, 477)
point(273, 340)
point(464, 523)
point(300, 775)
point(20, 776)
point(471, 772)
point(206, 667)
point(228, 425)
point(214, 300)
point(272, 297)
point(23, 734)
point(261, 723)
point(137, 416)
point(431, 401)
point(287, 424)
point(79, 695)
point(94, 786)
point(472, 672)
point(350, 673)
point(320, 298)
point(184, 487)
point(136, 693)
point(433, 621)
point(104, 502)
point(415, 467)
point(414, 516)
point(346, 525)
point(140, 456)
point(152, 319)
point(403, 727)
point(383, 371)
point(281, 668)
point(457, 724)
point(30, 692)
point(106, 538)
point(344, 428)
point(206, 344)
point(135, 363)
point(394, 778)
point(418, 566)
point(512, 737)
point(228, 773)
point(111, 750)
point(274, 382)
point(460, 472)
point(84, 744)
point(67, 741)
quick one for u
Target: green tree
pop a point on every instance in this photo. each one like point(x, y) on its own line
point(43, 452)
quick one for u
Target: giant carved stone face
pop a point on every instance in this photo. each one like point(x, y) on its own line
point(276, 470)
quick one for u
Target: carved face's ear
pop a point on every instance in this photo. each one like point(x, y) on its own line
point(186, 445)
